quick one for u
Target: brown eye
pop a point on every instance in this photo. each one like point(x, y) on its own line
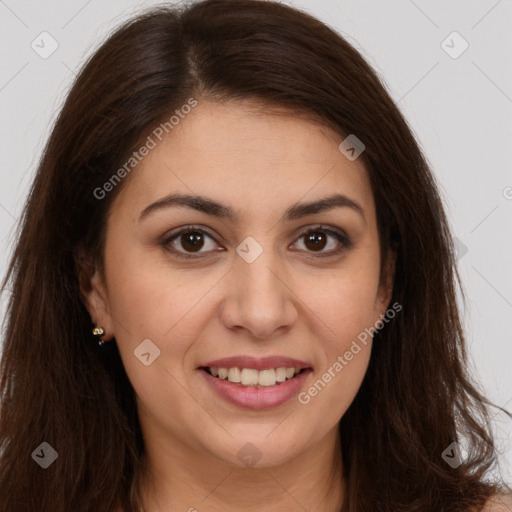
point(188, 242)
point(192, 241)
point(317, 239)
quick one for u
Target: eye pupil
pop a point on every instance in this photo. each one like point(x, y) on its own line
point(316, 239)
point(192, 239)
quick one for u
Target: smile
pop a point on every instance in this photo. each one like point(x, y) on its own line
point(251, 377)
point(255, 382)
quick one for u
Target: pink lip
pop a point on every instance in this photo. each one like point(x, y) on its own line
point(252, 397)
point(263, 363)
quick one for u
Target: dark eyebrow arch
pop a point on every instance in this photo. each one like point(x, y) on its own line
point(216, 209)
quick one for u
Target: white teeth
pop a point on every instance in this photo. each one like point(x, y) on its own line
point(267, 377)
point(252, 377)
point(249, 377)
point(281, 374)
point(234, 375)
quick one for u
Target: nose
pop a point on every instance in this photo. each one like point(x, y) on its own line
point(259, 298)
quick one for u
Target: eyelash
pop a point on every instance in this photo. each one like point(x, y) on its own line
point(340, 236)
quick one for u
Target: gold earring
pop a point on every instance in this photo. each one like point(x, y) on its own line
point(99, 331)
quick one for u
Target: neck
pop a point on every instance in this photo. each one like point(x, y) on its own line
point(177, 477)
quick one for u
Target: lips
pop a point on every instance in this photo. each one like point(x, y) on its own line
point(256, 363)
point(274, 388)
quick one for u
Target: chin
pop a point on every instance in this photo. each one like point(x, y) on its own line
point(262, 449)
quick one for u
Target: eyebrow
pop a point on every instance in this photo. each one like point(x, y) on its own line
point(211, 207)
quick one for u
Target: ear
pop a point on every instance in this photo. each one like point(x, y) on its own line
point(93, 293)
point(386, 285)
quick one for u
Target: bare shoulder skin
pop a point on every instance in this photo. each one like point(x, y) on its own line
point(499, 503)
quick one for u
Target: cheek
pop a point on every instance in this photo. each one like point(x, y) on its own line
point(147, 297)
point(336, 385)
point(344, 304)
point(344, 312)
point(149, 301)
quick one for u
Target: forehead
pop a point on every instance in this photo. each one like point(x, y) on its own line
point(250, 159)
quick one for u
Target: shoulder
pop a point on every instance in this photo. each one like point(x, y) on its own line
point(499, 503)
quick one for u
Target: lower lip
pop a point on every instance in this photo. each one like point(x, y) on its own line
point(257, 398)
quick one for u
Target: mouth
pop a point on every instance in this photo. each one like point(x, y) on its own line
point(260, 388)
point(255, 378)
point(256, 382)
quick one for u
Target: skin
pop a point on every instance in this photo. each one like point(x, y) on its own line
point(287, 302)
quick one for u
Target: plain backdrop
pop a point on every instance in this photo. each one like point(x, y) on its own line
point(447, 65)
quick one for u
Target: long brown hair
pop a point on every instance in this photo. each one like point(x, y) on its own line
point(57, 386)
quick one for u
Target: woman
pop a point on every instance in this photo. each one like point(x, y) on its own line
point(231, 203)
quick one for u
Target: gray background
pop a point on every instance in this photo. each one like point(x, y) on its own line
point(460, 109)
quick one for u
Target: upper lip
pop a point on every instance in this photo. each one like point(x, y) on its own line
point(257, 363)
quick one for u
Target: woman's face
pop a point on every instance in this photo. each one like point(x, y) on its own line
point(254, 287)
